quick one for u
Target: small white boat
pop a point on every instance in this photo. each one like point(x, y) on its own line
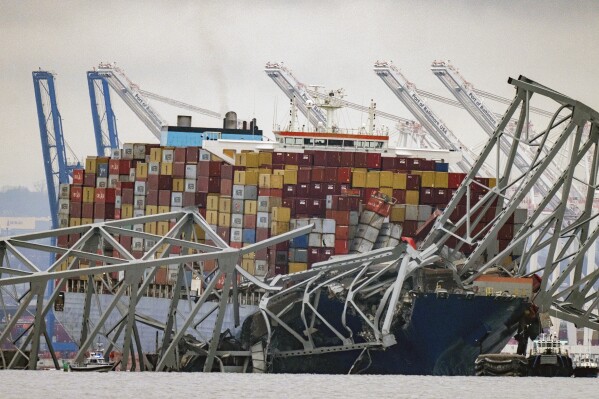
point(94, 362)
point(586, 367)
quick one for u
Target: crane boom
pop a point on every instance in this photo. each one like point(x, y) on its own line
point(181, 104)
point(130, 94)
point(408, 95)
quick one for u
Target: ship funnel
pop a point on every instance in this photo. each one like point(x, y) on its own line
point(184, 120)
point(230, 121)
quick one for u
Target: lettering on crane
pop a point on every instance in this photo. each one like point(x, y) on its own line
point(430, 114)
point(480, 106)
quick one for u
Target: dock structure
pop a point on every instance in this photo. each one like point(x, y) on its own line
point(566, 289)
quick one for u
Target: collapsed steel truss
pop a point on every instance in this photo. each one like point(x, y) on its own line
point(566, 288)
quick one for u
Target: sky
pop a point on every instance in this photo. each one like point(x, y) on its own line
point(212, 54)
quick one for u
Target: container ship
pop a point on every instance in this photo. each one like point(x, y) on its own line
point(361, 196)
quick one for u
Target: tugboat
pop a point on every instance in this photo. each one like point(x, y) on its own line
point(547, 360)
point(586, 367)
point(94, 362)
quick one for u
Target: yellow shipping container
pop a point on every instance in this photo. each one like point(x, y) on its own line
point(279, 172)
point(249, 265)
point(428, 179)
point(162, 228)
point(251, 255)
point(166, 168)
point(86, 221)
point(212, 217)
point(277, 181)
point(246, 177)
point(91, 164)
point(416, 172)
point(398, 213)
point(281, 214)
point(296, 267)
point(212, 202)
point(290, 176)
point(358, 179)
point(252, 159)
point(291, 167)
point(264, 180)
point(164, 209)
point(441, 179)
point(151, 210)
point(386, 179)
point(126, 211)
point(155, 154)
point(239, 159)
point(277, 228)
point(141, 170)
point(387, 191)
point(492, 183)
point(412, 197)
point(399, 181)
point(88, 194)
point(179, 185)
point(250, 207)
point(224, 219)
point(224, 204)
point(373, 179)
point(150, 228)
point(200, 233)
point(265, 158)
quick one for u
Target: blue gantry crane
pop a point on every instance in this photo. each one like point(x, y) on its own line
point(105, 129)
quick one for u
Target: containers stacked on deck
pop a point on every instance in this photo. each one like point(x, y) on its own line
point(264, 194)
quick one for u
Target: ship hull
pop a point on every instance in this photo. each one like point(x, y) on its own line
point(443, 336)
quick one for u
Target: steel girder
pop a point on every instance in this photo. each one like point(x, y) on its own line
point(567, 287)
point(23, 284)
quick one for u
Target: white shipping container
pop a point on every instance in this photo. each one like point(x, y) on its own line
point(328, 226)
point(250, 193)
point(412, 212)
point(301, 223)
point(148, 244)
point(139, 151)
point(196, 285)
point(370, 233)
point(138, 212)
point(236, 234)
point(237, 220)
point(190, 185)
point(63, 221)
point(140, 188)
point(117, 202)
point(139, 202)
point(137, 244)
point(138, 227)
point(424, 212)
point(132, 174)
point(204, 155)
point(115, 153)
point(237, 206)
point(127, 151)
point(191, 171)
point(112, 181)
point(361, 245)
point(354, 218)
point(261, 268)
point(396, 230)
point(176, 199)
point(153, 168)
point(263, 220)
point(315, 240)
point(352, 232)
point(168, 155)
point(101, 182)
point(317, 222)
point(176, 208)
point(63, 206)
point(238, 191)
point(329, 202)
point(64, 191)
point(328, 240)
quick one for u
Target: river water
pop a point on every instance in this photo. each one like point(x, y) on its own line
point(58, 384)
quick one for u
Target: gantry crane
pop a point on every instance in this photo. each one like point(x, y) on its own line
point(407, 93)
point(106, 75)
point(465, 93)
point(102, 114)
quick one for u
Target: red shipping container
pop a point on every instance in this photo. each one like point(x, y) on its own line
point(179, 170)
point(289, 191)
point(290, 203)
point(455, 179)
point(360, 160)
point(368, 193)
point(301, 206)
point(262, 233)
point(125, 184)
point(304, 176)
point(224, 233)
point(226, 187)
point(506, 232)
point(87, 210)
point(105, 195)
point(237, 245)
point(276, 192)
point(278, 158)
point(333, 159)
point(347, 159)
point(89, 180)
point(389, 163)
point(249, 221)
point(330, 175)
point(78, 176)
point(341, 247)
point(314, 255)
point(341, 232)
point(193, 199)
point(400, 196)
point(414, 164)
point(302, 190)
point(316, 207)
point(192, 154)
point(305, 160)
point(180, 154)
point(207, 184)
point(409, 228)
point(320, 158)
point(344, 175)
point(164, 198)
point(291, 158)
point(125, 166)
point(227, 171)
point(413, 182)
point(117, 213)
point(340, 217)
point(373, 160)
point(327, 253)
point(330, 189)
point(481, 187)
point(76, 193)
point(402, 164)
point(316, 190)
point(75, 209)
point(441, 196)
point(63, 241)
point(317, 175)
point(426, 196)
point(127, 196)
point(113, 167)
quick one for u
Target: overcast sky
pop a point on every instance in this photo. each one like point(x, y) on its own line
point(212, 54)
